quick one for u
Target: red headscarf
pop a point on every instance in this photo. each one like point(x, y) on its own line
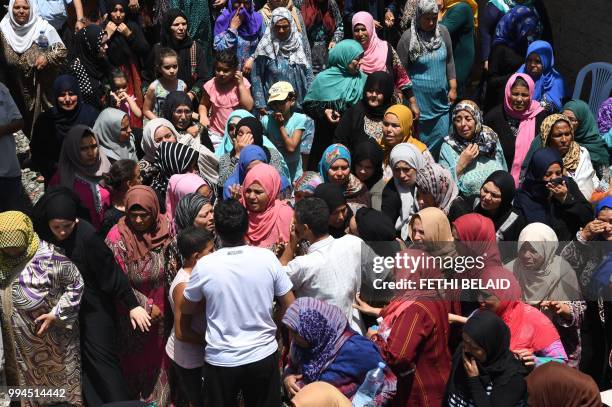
point(313, 13)
point(476, 234)
point(529, 328)
point(274, 221)
point(139, 244)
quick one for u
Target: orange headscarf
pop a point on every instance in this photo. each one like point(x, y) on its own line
point(404, 115)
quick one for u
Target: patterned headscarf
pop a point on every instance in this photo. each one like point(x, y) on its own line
point(422, 42)
point(330, 156)
point(292, 48)
point(518, 28)
point(187, 210)
point(572, 157)
point(604, 116)
point(16, 230)
point(484, 136)
point(437, 181)
point(322, 325)
point(308, 182)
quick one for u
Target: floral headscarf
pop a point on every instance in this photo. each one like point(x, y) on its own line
point(572, 157)
point(484, 136)
point(437, 181)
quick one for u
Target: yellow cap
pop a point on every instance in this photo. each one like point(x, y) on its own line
point(280, 91)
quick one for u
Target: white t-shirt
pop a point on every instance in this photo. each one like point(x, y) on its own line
point(239, 285)
point(9, 165)
point(331, 271)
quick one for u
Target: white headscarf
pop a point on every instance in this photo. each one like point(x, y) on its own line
point(108, 127)
point(148, 144)
point(21, 37)
point(411, 155)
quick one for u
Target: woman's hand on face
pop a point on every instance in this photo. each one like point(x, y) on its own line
point(46, 321)
point(594, 229)
point(41, 62)
point(470, 366)
point(559, 191)
point(526, 357)
point(290, 383)
point(332, 116)
point(110, 28)
point(124, 30)
point(236, 21)
point(244, 141)
point(140, 318)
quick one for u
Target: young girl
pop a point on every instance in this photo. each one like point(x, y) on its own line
point(186, 342)
point(122, 99)
point(166, 67)
point(223, 94)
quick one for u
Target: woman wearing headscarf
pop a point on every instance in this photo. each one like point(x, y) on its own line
point(249, 131)
point(41, 294)
point(554, 384)
point(33, 66)
point(194, 210)
point(549, 197)
point(435, 187)
point(296, 14)
point(81, 167)
point(115, 135)
point(485, 372)
point(413, 336)
point(513, 34)
point(549, 84)
point(58, 210)
point(154, 133)
point(123, 175)
point(324, 29)
point(239, 27)
point(430, 229)
point(335, 168)
point(472, 151)
point(227, 142)
point(557, 133)
point(170, 159)
point(250, 156)
point(305, 186)
point(516, 121)
point(340, 213)
point(280, 56)
point(324, 348)
point(52, 126)
point(332, 92)
point(399, 201)
point(363, 120)
point(269, 218)
point(179, 186)
point(139, 244)
point(89, 64)
point(549, 283)
point(367, 167)
point(398, 128)
point(380, 56)
point(495, 202)
point(604, 120)
point(460, 17)
point(533, 338)
point(195, 58)
point(426, 51)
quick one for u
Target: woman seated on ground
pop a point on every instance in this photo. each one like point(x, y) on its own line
point(81, 167)
point(115, 135)
point(549, 197)
point(495, 202)
point(154, 133)
point(485, 372)
point(472, 151)
point(325, 348)
point(556, 132)
point(549, 283)
point(340, 213)
point(399, 201)
point(123, 175)
point(549, 84)
point(367, 167)
point(435, 187)
point(533, 338)
point(335, 168)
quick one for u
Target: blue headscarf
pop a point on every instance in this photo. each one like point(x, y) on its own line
point(249, 154)
point(518, 28)
point(251, 21)
point(604, 203)
point(330, 155)
point(550, 86)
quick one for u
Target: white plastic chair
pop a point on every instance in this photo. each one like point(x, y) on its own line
point(601, 84)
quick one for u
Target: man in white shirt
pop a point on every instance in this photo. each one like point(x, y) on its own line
point(237, 285)
point(331, 270)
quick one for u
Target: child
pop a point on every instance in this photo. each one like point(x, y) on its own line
point(185, 346)
point(284, 127)
point(122, 100)
point(166, 67)
point(223, 94)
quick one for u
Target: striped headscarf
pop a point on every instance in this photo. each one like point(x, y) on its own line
point(572, 157)
point(187, 210)
point(171, 158)
point(16, 230)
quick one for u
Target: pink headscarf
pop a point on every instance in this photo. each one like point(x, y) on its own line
point(375, 55)
point(273, 222)
point(527, 127)
point(179, 186)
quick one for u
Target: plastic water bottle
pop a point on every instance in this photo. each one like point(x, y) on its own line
point(42, 41)
point(383, 330)
point(370, 387)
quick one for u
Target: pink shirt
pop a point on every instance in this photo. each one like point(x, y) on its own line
point(223, 103)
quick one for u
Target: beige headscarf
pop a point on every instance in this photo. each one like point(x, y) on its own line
point(572, 157)
point(439, 239)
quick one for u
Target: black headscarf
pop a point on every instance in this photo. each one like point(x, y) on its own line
point(370, 150)
point(81, 114)
point(175, 99)
point(382, 82)
point(58, 202)
point(493, 335)
point(505, 182)
point(119, 50)
point(166, 39)
point(256, 129)
point(87, 49)
point(333, 196)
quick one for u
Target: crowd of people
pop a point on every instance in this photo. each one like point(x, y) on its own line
point(216, 183)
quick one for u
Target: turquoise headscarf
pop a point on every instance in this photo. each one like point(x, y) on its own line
point(336, 84)
point(587, 133)
point(226, 145)
point(330, 156)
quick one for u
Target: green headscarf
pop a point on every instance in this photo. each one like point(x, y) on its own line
point(587, 133)
point(336, 84)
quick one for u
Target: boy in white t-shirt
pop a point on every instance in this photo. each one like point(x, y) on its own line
point(238, 284)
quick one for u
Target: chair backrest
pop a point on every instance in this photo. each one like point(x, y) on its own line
point(601, 84)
